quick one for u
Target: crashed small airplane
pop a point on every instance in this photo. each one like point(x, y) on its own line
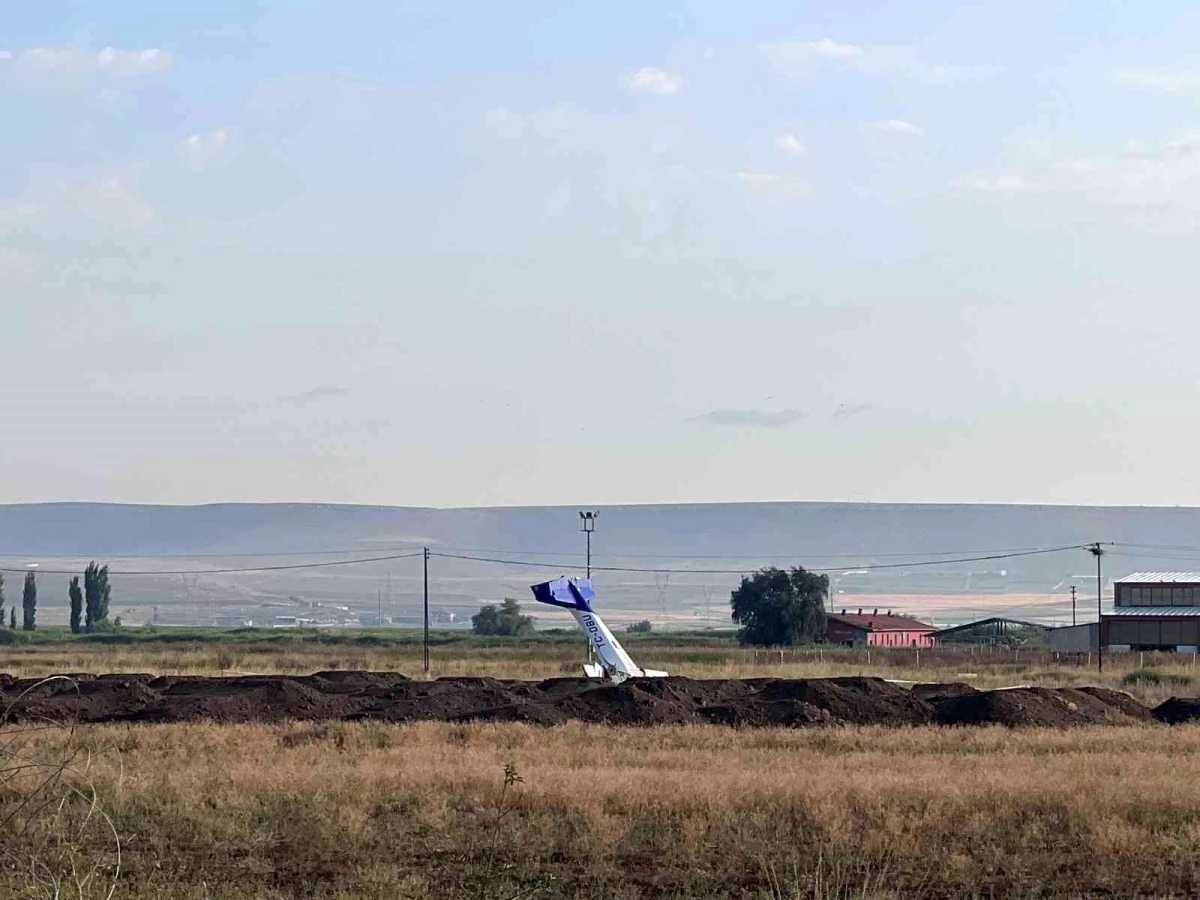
point(576, 595)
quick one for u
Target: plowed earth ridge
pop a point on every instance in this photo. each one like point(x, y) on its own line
point(391, 697)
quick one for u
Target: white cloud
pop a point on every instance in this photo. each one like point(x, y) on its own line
point(1165, 81)
point(650, 80)
point(5, 55)
point(1157, 185)
point(114, 201)
point(790, 144)
point(133, 62)
point(109, 61)
point(207, 150)
point(832, 49)
point(12, 213)
point(898, 126)
point(506, 123)
point(19, 265)
point(770, 188)
point(799, 59)
point(750, 418)
point(848, 411)
point(991, 184)
point(316, 395)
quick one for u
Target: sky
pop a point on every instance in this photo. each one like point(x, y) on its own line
point(467, 254)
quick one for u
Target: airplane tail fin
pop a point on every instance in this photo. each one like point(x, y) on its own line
point(565, 592)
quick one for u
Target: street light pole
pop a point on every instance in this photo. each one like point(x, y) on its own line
point(587, 524)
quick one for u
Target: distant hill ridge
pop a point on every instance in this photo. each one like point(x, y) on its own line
point(725, 529)
point(707, 547)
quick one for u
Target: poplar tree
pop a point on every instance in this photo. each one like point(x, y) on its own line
point(29, 603)
point(76, 597)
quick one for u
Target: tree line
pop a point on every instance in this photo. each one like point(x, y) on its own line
point(89, 604)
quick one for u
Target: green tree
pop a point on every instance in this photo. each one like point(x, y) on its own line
point(76, 597)
point(774, 607)
point(487, 620)
point(1, 599)
point(12, 618)
point(503, 620)
point(96, 597)
point(511, 620)
point(29, 603)
point(105, 594)
point(643, 627)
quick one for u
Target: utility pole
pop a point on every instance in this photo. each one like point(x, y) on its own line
point(1098, 552)
point(379, 609)
point(1072, 604)
point(425, 561)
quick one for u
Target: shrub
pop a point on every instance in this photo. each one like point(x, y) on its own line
point(1155, 676)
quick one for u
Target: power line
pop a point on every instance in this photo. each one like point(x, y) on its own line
point(404, 545)
point(1156, 546)
point(256, 555)
point(1164, 556)
point(1010, 554)
point(316, 565)
point(866, 567)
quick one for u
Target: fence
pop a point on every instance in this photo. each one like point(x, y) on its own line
point(958, 656)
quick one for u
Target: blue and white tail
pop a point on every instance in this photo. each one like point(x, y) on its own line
point(576, 595)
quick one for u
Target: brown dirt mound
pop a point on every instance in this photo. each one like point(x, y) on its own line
point(390, 697)
point(941, 691)
point(1038, 706)
point(243, 699)
point(1178, 710)
point(854, 701)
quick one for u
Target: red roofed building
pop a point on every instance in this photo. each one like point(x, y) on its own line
point(877, 630)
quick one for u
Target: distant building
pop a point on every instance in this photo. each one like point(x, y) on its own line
point(875, 630)
point(1073, 638)
point(233, 621)
point(1154, 611)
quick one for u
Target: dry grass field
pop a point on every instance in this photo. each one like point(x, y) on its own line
point(369, 810)
point(415, 811)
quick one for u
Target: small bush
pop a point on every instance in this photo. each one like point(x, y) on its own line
point(1154, 676)
point(642, 627)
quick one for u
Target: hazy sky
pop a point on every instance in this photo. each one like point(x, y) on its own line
point(507, 253)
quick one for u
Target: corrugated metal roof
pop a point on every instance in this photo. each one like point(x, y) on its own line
point(967, 626)
point(880, 622)
point(1161, 578)
point(1191, 612)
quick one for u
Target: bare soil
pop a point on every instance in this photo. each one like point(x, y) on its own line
point(391, 697)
